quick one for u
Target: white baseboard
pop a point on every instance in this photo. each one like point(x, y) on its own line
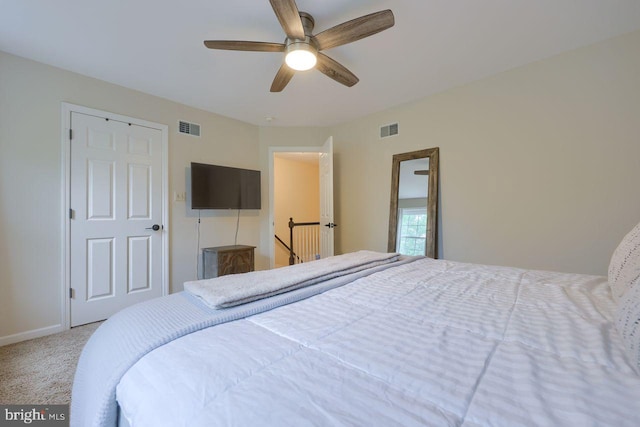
point(28, 335)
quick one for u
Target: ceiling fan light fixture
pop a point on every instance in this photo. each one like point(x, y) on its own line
point(300, 55)
point(303, 50)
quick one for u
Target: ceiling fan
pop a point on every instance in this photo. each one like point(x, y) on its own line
point(303, 49)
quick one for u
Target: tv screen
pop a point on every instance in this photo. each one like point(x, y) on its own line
point(222, 187)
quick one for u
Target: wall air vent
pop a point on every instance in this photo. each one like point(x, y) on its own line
point(388, 130)
point(189, 128)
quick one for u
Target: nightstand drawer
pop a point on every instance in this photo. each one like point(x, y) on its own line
point(222, 260)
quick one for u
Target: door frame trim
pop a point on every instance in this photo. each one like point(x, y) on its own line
point(66, 110)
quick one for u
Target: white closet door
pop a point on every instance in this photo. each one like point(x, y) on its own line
point(116, 224)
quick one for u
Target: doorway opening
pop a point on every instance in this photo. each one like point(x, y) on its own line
point(296, 197)
point(305, 189)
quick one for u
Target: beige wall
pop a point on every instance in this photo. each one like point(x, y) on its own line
point(31, 178)
point(297, 196)
point(539, 166)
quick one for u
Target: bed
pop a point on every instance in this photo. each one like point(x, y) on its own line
point(408, 342)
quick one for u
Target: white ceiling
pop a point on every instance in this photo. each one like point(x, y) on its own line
point(155, 46)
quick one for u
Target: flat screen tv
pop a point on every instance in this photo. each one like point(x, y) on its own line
point(222, 187)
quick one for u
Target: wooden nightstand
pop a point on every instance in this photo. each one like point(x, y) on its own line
point(222, 260)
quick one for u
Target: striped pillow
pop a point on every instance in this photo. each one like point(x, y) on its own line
point(624, 268)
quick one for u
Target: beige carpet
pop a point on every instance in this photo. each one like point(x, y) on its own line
point(40, 371)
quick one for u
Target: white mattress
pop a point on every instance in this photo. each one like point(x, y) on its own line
point(426, 343)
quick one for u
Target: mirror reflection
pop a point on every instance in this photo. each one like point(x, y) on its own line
point(411, 233)
point(412, 216)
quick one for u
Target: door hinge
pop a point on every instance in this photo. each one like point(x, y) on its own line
point(70, 134)
point(70, 213)
point(70, 292)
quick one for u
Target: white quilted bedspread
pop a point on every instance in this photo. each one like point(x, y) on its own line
point(426, 343)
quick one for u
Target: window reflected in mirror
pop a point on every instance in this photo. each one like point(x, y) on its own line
point(412, 231)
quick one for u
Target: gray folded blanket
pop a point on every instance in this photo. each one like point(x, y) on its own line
point(236, 289)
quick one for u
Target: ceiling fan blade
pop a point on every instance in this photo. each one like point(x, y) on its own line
point(283, 76)
point(355, 29)
point(242, 45)
point(289, 17)
point(336, 71)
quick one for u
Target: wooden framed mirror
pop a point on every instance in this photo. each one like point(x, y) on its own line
point(414, 203)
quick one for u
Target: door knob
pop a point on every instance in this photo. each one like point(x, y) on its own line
point(154, 227)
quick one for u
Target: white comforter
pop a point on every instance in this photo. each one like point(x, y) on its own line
point(426, 343)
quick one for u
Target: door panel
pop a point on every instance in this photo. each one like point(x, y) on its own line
point(116, 197)
point(139, 191)
point(139, 277)
point(100, 189)
point(100, 258)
